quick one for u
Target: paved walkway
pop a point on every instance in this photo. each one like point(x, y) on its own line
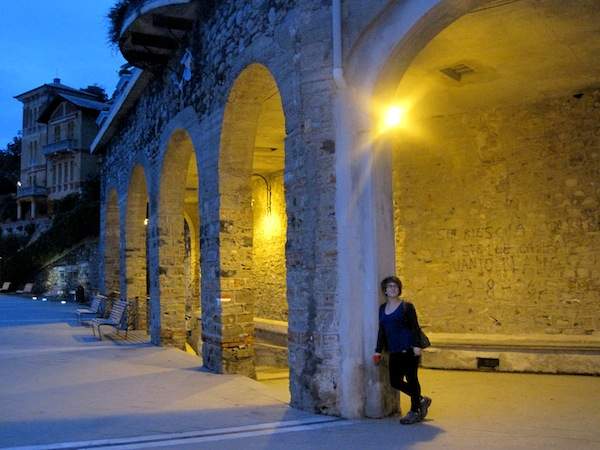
point(60, 388)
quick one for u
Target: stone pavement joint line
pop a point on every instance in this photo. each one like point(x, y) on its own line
point(60, 350)
point(190, 437)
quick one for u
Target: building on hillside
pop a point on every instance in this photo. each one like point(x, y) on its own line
point(269, 162)
point(58, 128)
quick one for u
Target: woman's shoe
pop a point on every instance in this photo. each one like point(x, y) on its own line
point(410, 418)
point(425, 404)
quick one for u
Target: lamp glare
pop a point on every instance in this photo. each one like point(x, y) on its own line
point(393, 117)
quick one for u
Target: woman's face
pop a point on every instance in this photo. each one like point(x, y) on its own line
point(392, 290)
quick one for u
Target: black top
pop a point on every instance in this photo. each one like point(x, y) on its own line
point(399, 330)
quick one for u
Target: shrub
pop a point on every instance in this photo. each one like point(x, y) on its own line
point(67, 230)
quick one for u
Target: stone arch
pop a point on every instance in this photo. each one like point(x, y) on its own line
point(112, 243)
point(178, 198)
point(396, 36)
point(508, 100)
point(385, 55)
point(136, 248)
point(253, 214)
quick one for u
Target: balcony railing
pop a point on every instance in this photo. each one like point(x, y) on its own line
point(32, 191)
point(64, 146)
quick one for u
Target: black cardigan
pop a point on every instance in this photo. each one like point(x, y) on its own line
point(410, 321)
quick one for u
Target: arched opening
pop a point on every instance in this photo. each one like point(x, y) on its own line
point(112, 239)
point(179, 255)
point(136, 251)
point(253, 275)
point(495, 180)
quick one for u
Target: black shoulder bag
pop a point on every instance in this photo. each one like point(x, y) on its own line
point(421, 337)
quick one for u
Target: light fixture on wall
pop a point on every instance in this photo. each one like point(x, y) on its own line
point(393, 117)
point(146, 222)
point(268, 186)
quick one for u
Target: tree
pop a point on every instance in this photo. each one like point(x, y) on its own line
point(10, 163)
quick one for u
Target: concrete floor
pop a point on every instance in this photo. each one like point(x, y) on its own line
point(60, 388)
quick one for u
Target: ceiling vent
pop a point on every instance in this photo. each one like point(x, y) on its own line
point(457, 71)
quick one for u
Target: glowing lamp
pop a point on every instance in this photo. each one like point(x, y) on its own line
point(393, 117)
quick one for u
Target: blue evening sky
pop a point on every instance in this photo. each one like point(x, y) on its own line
point(44, 39)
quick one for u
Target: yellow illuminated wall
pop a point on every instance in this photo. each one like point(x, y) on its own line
point(269, 274)
point(497, 218)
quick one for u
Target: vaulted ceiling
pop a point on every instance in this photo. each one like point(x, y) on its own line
point(510, 52)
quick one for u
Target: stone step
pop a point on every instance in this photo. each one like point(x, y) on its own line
point(267, 373)
point(270, 355)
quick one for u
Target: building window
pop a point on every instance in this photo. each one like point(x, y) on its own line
point(59, 175)
point(72, 171)
point(53, 174)
point(71, 130)
point(57, 133)
point(66, 173)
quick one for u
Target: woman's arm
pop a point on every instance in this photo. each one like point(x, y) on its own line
point(381, 341)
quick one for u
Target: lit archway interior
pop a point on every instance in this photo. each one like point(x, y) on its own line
point(137, 242)
point(112, 238)
point(253, 247)
point(496, 171)
point(179, 255)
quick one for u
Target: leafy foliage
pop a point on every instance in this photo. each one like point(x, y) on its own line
point(10, 160)
point(76, 219)
point(116, 16)
point(10, 244)
point(119, 12)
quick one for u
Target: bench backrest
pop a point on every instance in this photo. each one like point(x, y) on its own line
point(28, 287)
point(96, 302)
point(5, 286)
point(117, 311)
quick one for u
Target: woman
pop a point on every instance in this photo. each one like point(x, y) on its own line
point(398, 334)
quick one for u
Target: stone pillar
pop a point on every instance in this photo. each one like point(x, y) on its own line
point(366, 255)
point(111, 240)
point(33, 209)
point(19, 211)
point(136, 243)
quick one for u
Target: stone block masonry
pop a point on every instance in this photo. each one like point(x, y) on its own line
point(497, 224)
point(292, 42)
point(495, 212)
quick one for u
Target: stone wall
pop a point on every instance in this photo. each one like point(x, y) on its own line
point(293, 41)
point(269, 237)
point(78, 266)
point(496, 216)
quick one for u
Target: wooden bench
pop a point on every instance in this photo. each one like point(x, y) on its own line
point(27, 289)
point(5, 286)
point(117, 316)
point(95, 308)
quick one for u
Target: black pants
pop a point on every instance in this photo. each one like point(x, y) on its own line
point(405, 365)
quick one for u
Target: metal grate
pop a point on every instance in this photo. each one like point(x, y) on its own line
point(457, 72)
point(488, 363)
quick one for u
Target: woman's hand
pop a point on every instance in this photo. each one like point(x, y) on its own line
point(376, 358)
point(417, 351)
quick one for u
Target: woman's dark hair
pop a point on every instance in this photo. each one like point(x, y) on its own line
point(391, 279)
